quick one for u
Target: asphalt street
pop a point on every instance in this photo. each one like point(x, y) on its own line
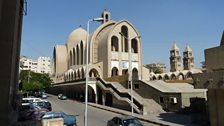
point(96, 116)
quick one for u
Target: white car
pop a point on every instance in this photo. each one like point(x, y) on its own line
point(33, 99)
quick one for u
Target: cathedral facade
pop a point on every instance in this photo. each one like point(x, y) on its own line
point(108, 52)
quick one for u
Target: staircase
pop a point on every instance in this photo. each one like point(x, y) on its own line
point(140, 105)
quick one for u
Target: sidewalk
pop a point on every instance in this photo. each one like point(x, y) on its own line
point(163, 119)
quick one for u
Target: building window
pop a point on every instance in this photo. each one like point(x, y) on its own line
point(134, 46)
point(114, 43)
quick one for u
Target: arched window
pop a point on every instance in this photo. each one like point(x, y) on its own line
point(74, 53)
point(114, 43)
point(81, 51)
point(82, 71)
point(93, 73)
point(124, 31)
point(134, 46)
point(70, 60)
point(114, 71)
point(134, 74)
point(77, 56)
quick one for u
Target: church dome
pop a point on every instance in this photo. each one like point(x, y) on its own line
point(77, 36)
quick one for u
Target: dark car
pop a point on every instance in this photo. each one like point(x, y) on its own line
point(25, 111)
point(124, 121)
point(59, 96)
point(69, 120)
point(43, 104)
point(36, 114)
point(63, 97)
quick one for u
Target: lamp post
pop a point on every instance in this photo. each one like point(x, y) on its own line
point(87, 71)
point(130, 68)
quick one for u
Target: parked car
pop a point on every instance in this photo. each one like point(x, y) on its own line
point(63, 97)
point(25, 111)
point(69, 120)
point(33, 99)
point(59, 96)
point(44, 96)
point(43, 104)
point(124, 121)
point(36, 114)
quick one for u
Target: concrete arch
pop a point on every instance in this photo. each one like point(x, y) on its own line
point(134, 45)
point(93, 73)
point(114, 43)
point(188, 75)
point(180, 76)
point(74, 56)
point(160, 77)
point(173, 77)
point(114, 71)
point(154, 77)
point(81, 52)
point(92, 96)
point(77, 55)
point(166, 77)
point(135, 74)
point(70, 58)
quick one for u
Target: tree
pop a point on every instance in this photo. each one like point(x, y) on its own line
point(34, 81)
point(157, 70)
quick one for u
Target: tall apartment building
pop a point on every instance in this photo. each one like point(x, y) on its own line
point(44, 65)
point(41, 65)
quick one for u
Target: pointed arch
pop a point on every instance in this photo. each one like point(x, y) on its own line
point(114, 43)
point(124, 31)
point(134, 46)
point(74, 56)
point(160, 77)
point(180, 76)
point(78, 53)
point(114, 71)
point(70, 58)
point(135, 74)
point(154, 77)
point(173, 77)
point(93, 73)
point(188, 75)
point(81, 52)
point(166, 77)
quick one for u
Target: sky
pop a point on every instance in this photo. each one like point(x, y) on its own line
point(198, 23)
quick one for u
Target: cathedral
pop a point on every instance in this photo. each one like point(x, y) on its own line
point(108, 52)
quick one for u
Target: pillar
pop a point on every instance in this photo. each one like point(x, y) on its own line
point(10, 38)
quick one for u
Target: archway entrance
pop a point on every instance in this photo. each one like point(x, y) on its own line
point(114, 71)
point(134, 74)
point(93, 73)
point(109, 99)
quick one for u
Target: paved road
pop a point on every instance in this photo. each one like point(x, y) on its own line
point(96, 117)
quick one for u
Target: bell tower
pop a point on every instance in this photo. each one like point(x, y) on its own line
point(105, 16)
point(175, 58)
point(188, 59)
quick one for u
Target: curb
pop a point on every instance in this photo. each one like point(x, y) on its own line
point(153, 122)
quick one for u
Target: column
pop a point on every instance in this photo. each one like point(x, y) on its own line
point(10, 38)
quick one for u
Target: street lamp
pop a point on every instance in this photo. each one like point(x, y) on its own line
point(87, 61)
point(130, 68)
